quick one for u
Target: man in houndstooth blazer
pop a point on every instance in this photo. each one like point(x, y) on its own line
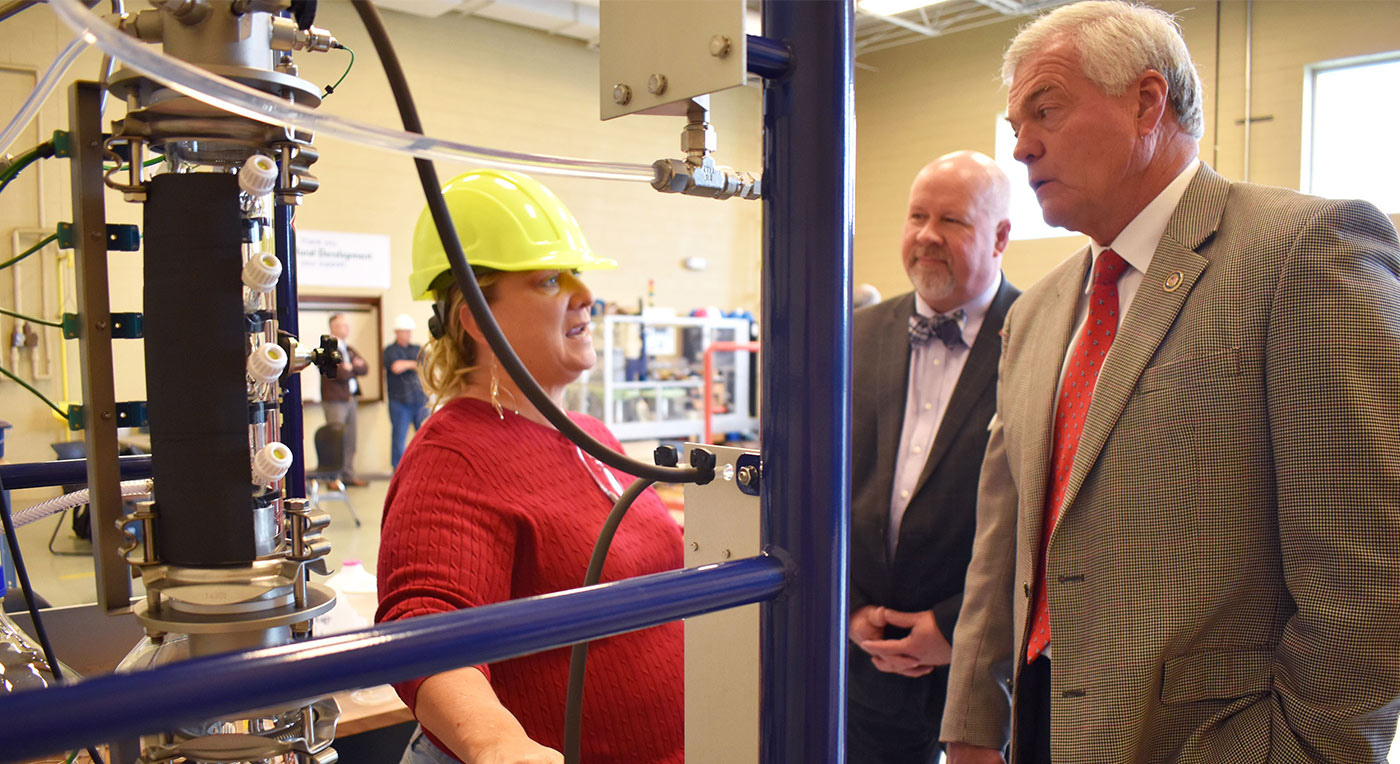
point(1223, 574)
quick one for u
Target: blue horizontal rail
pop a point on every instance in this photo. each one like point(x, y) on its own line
point(40, 722)
point(67, 472)
point(768, 59)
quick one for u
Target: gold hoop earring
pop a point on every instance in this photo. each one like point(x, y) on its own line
point(496, 391)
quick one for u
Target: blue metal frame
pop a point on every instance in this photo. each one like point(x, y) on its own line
point(287, 321)
point(768, 59)
point(67, 472)
point(102, 708)
point(808, 211)
point(808, 224)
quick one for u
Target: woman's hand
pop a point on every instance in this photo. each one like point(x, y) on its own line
point(462, 710)
point(520, 750)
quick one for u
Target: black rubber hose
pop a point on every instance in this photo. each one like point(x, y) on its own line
point(578, 655)
point(471, 290)
point(30, 600)
point(17, 165)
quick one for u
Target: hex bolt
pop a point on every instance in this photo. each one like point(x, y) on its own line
point(106, 416)
point(102, 325)
point(746, 475)
point(622, 95)
point(719, 46)
point(656, 84)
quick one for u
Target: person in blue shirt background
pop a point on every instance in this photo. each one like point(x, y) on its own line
point(408, 404)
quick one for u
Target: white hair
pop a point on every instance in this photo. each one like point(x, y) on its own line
point(1118, 41)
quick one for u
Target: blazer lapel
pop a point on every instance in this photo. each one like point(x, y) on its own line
point(1175, 268)
point(978, 372)
point(1044, 365)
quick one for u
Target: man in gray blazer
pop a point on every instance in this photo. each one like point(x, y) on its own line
point(924, 390)
point(1188, 532)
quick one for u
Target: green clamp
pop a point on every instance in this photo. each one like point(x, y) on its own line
point(129, 414)
point(121, 237)
point(62, 144)
point(125, 326)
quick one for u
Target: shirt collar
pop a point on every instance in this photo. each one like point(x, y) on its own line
point(1138, 241)
point(973, 310)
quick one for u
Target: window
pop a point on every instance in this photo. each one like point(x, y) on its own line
point(1349, 131)
point(1026, 219)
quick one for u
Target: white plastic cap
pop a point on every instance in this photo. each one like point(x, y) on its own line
point(260, 274)
point(258, 175)
point(405, 322)
point(266, 362)
point(271, 463)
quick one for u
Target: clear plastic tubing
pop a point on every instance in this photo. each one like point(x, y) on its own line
point(244, 101)
point(42, 88)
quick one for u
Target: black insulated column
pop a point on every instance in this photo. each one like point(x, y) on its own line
point(196, 356)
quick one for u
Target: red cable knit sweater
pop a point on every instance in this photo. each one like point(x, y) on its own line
point(483, 510)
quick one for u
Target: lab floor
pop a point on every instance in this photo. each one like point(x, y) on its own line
point(64, 580)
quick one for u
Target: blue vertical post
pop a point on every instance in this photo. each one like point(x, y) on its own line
point(286, 245)
point(806, 343)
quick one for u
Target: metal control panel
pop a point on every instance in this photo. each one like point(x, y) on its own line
point(722, 649)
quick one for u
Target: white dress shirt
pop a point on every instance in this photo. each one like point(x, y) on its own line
point(345, 358)
point(1136, 244)
point(934, 369)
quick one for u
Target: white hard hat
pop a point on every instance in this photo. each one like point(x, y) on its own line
point(405, 322)
point(865, 294)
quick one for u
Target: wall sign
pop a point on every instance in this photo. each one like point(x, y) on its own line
point(338, 259)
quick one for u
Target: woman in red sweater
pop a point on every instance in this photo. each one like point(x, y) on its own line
point(491, 503)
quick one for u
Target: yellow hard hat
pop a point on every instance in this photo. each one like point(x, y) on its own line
point(506, 221)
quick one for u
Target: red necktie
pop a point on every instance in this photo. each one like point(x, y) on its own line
point(1081, 372)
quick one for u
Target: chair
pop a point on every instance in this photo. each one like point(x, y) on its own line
point(330, 460)
point(81, 517)
point(82, 521)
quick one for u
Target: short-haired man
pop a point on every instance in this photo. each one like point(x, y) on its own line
point(339, 395)
point(924, 390)
point(1188, 543)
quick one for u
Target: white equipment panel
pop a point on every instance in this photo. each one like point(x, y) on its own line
point(721, 649)
point(657, 52)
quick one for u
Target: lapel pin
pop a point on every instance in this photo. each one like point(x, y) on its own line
point(1173, 281)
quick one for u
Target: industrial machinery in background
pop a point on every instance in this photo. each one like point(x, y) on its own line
point(225, 545)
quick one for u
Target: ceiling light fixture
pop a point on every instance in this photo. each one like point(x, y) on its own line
point(891, 7)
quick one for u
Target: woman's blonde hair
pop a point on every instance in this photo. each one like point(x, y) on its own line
point(446, 362)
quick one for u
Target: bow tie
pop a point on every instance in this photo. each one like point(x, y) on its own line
point(947, 328)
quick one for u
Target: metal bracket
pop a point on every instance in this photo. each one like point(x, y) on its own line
point(652, 55)
point(125, 326)
point(121, 237)
point(62, 144)
point(127, 414)
point(748, 473)
point(145, 514)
